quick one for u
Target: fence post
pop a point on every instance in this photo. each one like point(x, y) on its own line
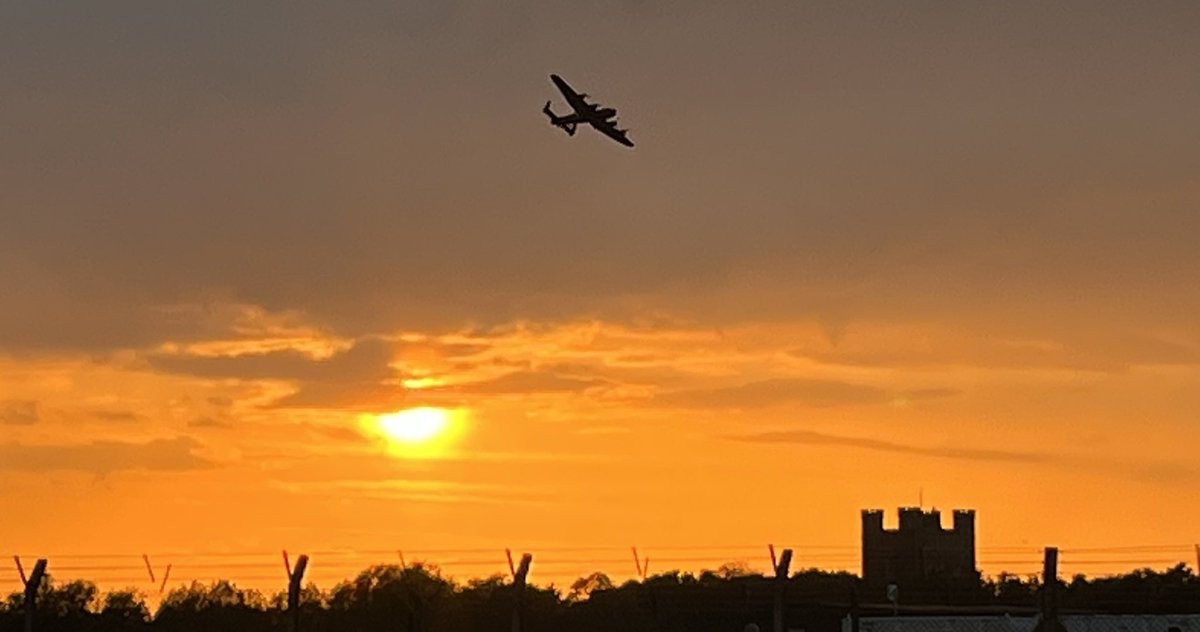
point(149, 568)
point(1049, 594)
point(519, 574)
point(295, 577)
point(166, 576)
point(854, 612)
point(639, 565)
point(781, 576)
point(153, 579)
point(32, 583)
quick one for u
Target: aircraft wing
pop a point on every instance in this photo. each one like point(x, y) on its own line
point(574, 99)
point(609, 129)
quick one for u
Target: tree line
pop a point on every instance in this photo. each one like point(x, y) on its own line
point(419, 598)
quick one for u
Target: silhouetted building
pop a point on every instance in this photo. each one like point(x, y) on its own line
point(1005, 623)
point(924, 561)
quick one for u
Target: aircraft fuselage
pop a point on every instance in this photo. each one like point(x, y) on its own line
point(600, 118)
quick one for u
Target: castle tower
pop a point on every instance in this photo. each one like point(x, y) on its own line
point(925, 561)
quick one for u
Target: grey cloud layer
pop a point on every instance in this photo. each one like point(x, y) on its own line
point(1148, 472)
point(353, 378)
point(811, 392)
point(105, 457)
point(366, 360)
point(17, 412)
point(378, 165)
point(1081, 350)
point(524, 382)
point(808, 437)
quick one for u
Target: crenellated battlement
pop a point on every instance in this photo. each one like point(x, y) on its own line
point(917, 519)
point(920, 552)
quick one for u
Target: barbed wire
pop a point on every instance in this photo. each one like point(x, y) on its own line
point(592, 548)
point(342, 564)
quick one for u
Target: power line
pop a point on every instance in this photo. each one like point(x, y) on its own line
point(350, 562)
point(601, 548)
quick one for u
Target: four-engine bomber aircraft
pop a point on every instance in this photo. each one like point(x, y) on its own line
point(603, 119)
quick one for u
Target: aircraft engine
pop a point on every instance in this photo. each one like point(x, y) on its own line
point(606, 112)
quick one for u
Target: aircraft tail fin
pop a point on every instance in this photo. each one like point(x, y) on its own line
point(554, 119)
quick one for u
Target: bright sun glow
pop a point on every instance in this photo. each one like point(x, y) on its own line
point(415, 425)
point(419, 432)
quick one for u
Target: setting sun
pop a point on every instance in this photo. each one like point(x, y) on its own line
point(423, 432)
point(415, 425)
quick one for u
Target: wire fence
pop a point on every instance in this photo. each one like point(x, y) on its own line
point(554, 565)
point(753, 590)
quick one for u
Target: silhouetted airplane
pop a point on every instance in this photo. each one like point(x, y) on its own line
point(600, 118)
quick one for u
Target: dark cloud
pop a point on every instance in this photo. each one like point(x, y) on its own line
point(451, 350)
point(808, 437)
point(1146, 472)
point(356, 396)
point(210, 422)
point(660, 372)
point(116, 415)
point(812, 392)
point(356, 378)
point(523, 382)
point(105, 457)
point(367, 360)
point(19, 412)
point(1165, 473)
point(1080, 349)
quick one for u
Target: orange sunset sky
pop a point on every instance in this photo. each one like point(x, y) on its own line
point(863, 252)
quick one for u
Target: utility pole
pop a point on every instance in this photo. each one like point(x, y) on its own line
point(854, 613)
point(31, 583)
point(1049, 593)
point(781, 576)
point(295, 576)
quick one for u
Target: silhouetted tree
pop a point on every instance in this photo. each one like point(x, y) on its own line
point(729, 570)
point(217, 606)
point(123, 611)
point(415, 599)
point(419, 599)
point(583, 587)
point(1176, 589)
point(1010, 590)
